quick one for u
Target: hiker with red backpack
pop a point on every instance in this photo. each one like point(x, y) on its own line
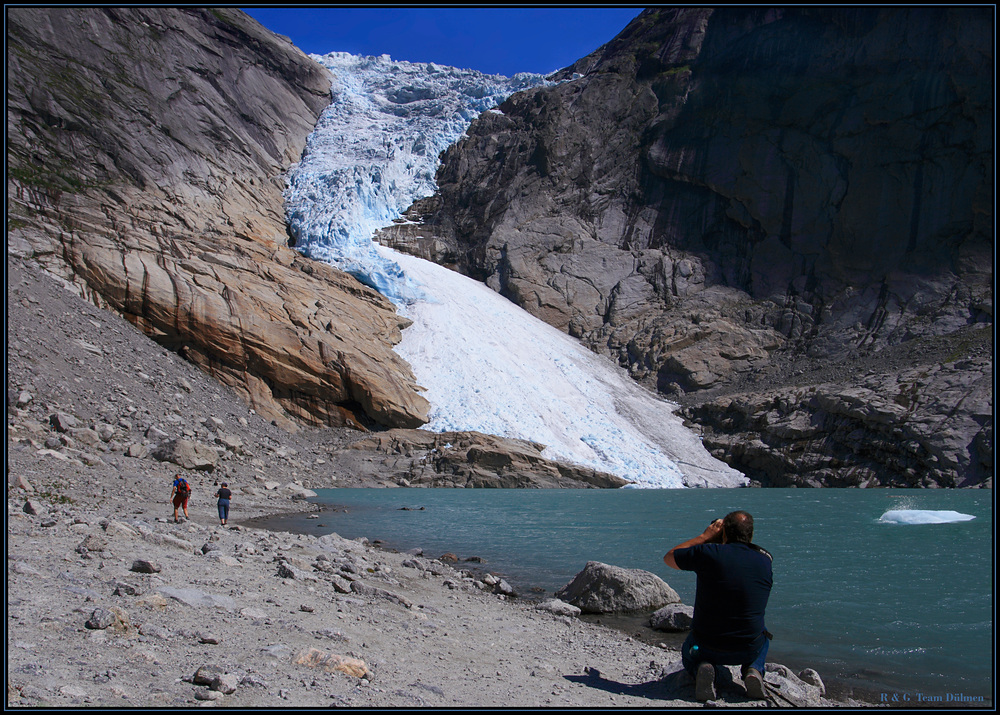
point(180, 494)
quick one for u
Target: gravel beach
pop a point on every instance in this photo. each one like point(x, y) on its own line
point(112, 604)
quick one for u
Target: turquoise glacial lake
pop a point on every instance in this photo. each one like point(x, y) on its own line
point(876, 601)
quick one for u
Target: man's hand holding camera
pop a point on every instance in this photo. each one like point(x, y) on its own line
point(713, 534)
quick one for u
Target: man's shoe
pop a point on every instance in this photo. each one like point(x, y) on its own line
point(704, 683)
point(754, 683)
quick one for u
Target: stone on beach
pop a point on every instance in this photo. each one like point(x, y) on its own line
point(672, 617)
point(602, 588)
point(559, 608)
point(331, 662)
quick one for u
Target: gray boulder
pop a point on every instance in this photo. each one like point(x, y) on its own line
point(206, 674)
point(673, 617)
point(144, 566)
point(187, 454)
point(100, 619)
point(34, 507)
point(602, 588)
point(62, 422)
point(559, 608)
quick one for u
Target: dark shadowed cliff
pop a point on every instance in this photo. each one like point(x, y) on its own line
point(781, 218)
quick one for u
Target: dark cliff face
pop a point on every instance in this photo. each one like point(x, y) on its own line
point(725, 199)
point(146, 153)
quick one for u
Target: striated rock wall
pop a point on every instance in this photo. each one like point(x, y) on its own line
point(417, 458)
point(146, 151)
point(721, 199)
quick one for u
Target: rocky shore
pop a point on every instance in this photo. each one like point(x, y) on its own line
point(111, 603)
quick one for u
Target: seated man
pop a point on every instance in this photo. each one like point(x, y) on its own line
point(734, 582)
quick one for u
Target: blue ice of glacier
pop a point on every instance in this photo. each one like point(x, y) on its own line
point(375, 150)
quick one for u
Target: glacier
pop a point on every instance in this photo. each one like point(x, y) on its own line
point(375, 150)
point(486, 364)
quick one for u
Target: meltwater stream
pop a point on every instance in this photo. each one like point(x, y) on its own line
point(866, 594)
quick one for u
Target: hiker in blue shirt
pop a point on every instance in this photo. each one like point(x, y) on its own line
point(180, 494)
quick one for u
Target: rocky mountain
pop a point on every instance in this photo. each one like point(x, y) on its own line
point(780, 218)
point(146, 157)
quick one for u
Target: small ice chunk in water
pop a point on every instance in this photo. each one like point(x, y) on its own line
point(923, 516)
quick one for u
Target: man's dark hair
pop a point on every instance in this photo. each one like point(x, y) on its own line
point(738, 527)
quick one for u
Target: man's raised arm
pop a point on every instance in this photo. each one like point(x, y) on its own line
point(712, 534)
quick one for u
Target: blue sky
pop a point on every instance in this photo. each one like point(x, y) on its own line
point(495, 40)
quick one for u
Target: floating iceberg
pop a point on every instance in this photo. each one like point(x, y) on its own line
point(923, 516)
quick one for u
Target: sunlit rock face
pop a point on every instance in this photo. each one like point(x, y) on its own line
point(146, 154)
point(732, 200)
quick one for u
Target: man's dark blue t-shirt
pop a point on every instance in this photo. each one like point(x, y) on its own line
point(734, 582)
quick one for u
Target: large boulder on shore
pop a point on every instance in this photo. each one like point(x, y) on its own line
point(602, 588)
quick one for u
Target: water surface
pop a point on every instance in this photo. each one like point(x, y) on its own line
point(873, 602)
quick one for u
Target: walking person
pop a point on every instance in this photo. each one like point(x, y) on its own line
point(734, 583)
point(179, 494)
point(224, 495)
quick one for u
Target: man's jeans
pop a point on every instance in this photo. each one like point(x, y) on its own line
point(692, 654)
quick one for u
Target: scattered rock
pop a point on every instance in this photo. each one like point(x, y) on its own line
point(206, 674)
point(330, 662)
point(225, 683)
point(559, 608)
point(100, 619)
point(208, 695)
point(198, 599)
point(811, 677)
point(672, 617)
point(287, 570)
point(62, 422)
point(151, 630)
point(364, 589)
point(34, 507)
point(143, 566)
point(503, 588)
